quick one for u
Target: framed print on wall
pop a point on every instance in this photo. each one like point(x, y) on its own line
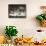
point(17, 10)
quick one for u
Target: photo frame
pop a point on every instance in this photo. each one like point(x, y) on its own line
point(17, 10)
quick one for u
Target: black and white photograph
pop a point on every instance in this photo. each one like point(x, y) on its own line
point(17, 10)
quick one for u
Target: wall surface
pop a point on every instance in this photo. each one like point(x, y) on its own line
point(26, 26)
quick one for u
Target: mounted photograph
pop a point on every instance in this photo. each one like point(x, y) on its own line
point(17, 10)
